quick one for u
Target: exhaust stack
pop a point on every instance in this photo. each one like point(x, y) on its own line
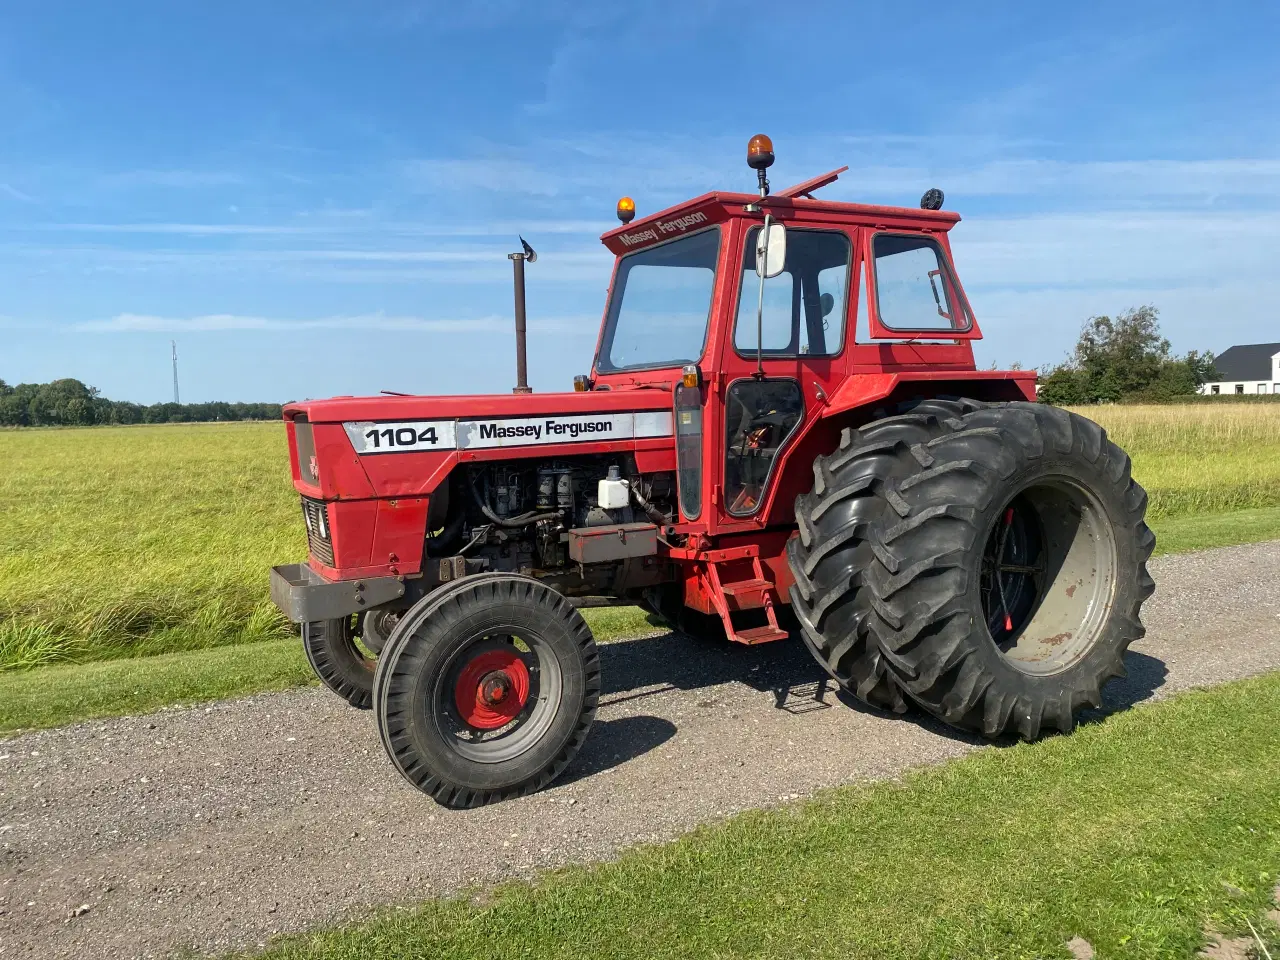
point(517, 266)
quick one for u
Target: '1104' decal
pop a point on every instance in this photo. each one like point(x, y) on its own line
point(403, 437)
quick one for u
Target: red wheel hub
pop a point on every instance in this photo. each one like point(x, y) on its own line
point(492, 689)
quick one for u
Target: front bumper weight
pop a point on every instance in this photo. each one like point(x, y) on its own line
point(304, 596)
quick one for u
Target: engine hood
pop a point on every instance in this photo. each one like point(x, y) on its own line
point(391, 408)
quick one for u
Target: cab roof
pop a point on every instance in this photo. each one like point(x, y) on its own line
point(719, 206)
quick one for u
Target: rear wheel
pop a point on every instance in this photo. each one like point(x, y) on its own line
point(830, 557)
point(487, 689)
point(1001, 581)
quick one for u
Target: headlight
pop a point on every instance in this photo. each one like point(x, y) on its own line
point(324, 527)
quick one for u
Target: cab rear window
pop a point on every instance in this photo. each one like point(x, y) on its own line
point(915, 289)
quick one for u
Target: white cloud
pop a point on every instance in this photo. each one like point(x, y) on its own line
point(342, 226)
point(180, 179)
point(503, 174)
point(146, 323)
point(185, 229)
point(9, 190)
point(1134, 182)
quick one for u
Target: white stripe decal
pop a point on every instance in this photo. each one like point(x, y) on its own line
point(415, 436)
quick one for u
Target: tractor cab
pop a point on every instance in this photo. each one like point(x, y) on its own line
point(765, 313)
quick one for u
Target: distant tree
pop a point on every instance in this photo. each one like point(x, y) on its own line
point(1124, 358)
point(69, 402)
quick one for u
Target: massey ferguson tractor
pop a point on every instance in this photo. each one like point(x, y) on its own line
point(783, 412)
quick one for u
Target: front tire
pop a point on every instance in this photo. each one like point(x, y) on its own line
point(486, 690)
point(1005, 571)
point(340, 663)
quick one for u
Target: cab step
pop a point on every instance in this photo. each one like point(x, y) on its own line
point(747, 594)
point(766, 634)
point(736, 596)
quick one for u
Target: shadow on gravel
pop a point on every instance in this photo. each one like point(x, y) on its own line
point(675, 661)
point(786, 669)
point(614, 742)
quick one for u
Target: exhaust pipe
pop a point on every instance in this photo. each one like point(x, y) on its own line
point(517, 266)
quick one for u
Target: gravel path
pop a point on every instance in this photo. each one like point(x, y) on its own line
point(216, 827)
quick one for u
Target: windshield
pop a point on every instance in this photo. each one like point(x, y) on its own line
point(661, 304)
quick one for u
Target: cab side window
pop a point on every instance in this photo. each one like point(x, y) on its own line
point(804, 306)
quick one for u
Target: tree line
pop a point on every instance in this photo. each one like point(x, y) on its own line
point(70, 403)
point(1125, 359)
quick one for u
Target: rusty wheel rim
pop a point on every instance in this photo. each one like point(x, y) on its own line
point(1047, 576)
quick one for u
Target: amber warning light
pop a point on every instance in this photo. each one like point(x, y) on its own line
point(626, 209)
point(759, 152)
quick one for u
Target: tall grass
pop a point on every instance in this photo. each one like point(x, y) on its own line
point(1199, 459)
point(138, 540)
point(129, 541)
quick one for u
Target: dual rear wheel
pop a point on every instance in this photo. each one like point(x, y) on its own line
point(987, 563)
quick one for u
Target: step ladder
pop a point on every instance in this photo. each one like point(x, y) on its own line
point(737, 595)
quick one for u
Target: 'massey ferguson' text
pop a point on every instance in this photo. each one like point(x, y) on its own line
point(663, 228)
point(550, 428)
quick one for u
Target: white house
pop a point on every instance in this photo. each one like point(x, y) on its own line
point(1249, 368)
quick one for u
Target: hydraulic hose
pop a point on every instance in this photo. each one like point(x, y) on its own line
point(513, 523)
point(436, 546)
point(652, 512)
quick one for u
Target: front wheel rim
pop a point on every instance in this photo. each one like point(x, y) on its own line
point(1047, 576)
point(497, 695)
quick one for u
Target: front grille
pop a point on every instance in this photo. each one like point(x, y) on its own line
point(319, 535)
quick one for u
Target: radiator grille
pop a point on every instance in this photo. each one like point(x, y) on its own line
point(319, 536)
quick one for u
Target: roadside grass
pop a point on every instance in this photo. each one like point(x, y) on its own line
point(134, 541)
point(1182, 534)
point(69, 692)
point(1136, 833)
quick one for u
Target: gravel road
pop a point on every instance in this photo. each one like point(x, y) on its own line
point(216, 827)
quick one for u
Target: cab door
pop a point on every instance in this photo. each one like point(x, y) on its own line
point(777, 366)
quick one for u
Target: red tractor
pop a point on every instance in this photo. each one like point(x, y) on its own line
point(783, 418)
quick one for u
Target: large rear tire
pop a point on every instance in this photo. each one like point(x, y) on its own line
point(486, 689)
point(830, 557)
point(998, 576)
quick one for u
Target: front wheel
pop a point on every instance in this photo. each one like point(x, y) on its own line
point(343, 664)
point(486, 690)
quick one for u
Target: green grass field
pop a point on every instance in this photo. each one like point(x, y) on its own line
point(1126, 833)
point(133, 541)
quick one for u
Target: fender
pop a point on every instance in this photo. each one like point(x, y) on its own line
point(854, 403)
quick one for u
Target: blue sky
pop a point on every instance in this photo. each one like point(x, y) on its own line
point(317, 199)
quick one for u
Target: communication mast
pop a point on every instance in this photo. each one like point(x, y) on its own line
point(174, 345)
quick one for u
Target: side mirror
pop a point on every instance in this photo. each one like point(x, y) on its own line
point(828, 303)
point(771, 251)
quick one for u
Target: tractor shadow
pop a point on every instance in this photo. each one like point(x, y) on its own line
point(615, 741)
point(637, 669)
point(1146, 676)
